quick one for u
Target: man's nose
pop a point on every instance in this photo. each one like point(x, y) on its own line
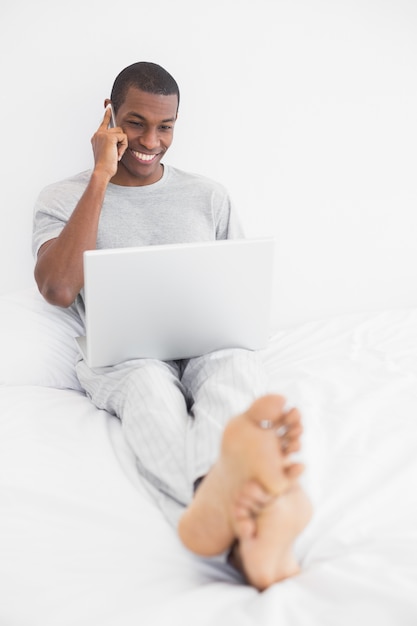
point(149, 138)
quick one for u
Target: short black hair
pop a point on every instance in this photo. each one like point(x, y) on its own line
point(148, 77)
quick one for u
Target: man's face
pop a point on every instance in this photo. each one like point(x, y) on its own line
point(148, 121)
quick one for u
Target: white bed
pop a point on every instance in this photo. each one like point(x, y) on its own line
point(82, 544)
point(306, 111)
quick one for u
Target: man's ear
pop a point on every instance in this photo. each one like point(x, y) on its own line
point(106, 102)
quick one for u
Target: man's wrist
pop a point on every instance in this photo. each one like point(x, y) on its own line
point(100, 176)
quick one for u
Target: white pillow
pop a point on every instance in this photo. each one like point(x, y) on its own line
point(37, 345)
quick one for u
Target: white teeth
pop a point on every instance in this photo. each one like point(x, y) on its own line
point(144, 157)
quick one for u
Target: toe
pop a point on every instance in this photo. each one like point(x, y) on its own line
point(292, 418)
point(267, 408)
point(248, 504)
point(294, 470)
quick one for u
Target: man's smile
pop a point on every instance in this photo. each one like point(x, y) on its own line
point(140, 156)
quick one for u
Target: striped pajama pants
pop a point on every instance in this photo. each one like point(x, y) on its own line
point(173, 413)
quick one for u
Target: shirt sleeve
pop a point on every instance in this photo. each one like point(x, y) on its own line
point(45, 227)
point(229, 225)
point(52, 211)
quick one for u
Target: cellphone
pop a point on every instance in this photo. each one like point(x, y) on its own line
point(112, 122)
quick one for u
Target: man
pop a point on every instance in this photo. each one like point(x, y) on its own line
point(222, 482)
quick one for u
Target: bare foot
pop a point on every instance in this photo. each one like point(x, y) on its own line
point(255, 449)
point(267, 556)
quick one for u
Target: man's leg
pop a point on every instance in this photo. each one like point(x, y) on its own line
point(219, 386)
point(148, 398)
point(252, 495)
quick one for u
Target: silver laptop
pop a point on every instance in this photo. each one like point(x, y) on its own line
point(176, 301)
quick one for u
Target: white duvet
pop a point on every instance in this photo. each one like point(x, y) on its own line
point(81, 543)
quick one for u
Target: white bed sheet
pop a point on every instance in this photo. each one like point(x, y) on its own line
point(82, 543)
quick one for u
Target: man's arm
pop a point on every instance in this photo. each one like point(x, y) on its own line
point(59, 267)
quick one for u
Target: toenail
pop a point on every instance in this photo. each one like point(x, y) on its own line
point(281, 431)
point(265, 424)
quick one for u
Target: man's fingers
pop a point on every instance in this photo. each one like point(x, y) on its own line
point(106, 119)
point(115, 136)
point(122, 146)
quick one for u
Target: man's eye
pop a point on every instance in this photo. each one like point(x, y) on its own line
point(166, 127)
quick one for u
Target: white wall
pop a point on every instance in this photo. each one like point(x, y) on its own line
point(304, 109)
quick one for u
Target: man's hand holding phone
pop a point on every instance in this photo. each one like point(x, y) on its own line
point(109, 144)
